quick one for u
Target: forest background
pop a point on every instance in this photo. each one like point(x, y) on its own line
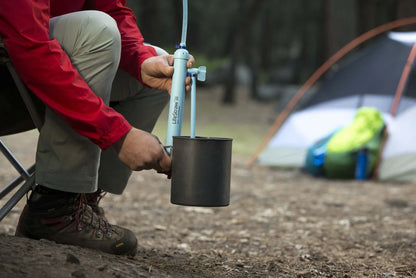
point(274, 42)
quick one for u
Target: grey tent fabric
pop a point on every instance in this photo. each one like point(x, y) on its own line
point(375, 69)
point(399, 157)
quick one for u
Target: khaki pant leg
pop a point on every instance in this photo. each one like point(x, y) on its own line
point(65, 160)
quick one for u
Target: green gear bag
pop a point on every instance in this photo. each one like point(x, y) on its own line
point(364, 133)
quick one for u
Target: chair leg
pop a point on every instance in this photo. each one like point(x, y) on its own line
point(29, 184)
point(6, 190)
point(16, 164)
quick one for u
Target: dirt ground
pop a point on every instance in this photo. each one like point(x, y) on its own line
point(279, 223)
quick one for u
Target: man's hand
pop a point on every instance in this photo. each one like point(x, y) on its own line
point(140, 150)
point(157, 72)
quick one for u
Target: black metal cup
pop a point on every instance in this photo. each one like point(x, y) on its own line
point(201, 171)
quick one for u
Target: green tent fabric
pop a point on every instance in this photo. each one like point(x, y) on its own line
point(364, 133)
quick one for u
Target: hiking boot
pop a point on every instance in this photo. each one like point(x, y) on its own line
point(93, 200)
point(66, 218)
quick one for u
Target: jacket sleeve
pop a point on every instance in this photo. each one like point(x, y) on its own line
point(133, 51)
point(49, 74)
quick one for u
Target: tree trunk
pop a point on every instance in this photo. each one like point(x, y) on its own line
point(247, 12)
point(341, 24)
point(313, 38)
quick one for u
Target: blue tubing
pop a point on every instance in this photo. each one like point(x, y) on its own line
point(193, 105)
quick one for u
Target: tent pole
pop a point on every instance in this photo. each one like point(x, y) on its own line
point(396, 101)
point(403, 80)
point(318, 73)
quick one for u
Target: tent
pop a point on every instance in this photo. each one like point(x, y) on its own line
point(399, 156)
point(371, 77)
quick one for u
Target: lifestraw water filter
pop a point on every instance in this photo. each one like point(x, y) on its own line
point(201, 166)
point(181, 56)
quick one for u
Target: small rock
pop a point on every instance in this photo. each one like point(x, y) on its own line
point(78, 274)
point(70, 258)
point(396, 203)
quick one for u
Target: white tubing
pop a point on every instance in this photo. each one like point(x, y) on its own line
point(184, 23)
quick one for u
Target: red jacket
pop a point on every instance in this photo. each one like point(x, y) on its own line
point(48, 72)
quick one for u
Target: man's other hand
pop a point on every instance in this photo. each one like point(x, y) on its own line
point(157, 72)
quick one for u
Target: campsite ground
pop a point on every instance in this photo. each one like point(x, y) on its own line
point(279, 223)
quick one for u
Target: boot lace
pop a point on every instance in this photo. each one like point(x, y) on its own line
point(93, 200)
point(85, 216)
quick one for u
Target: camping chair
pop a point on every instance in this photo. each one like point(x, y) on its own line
point(20, 111)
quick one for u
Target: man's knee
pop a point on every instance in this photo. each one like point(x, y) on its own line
point(100, 28)
point(87, 32)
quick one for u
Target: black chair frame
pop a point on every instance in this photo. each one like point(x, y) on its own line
point(26, 178)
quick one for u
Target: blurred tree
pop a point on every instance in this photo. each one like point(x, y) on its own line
point(312, 21)
point(341, 24)
point(406, 8)
point(159, 21)
point(240, 33)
